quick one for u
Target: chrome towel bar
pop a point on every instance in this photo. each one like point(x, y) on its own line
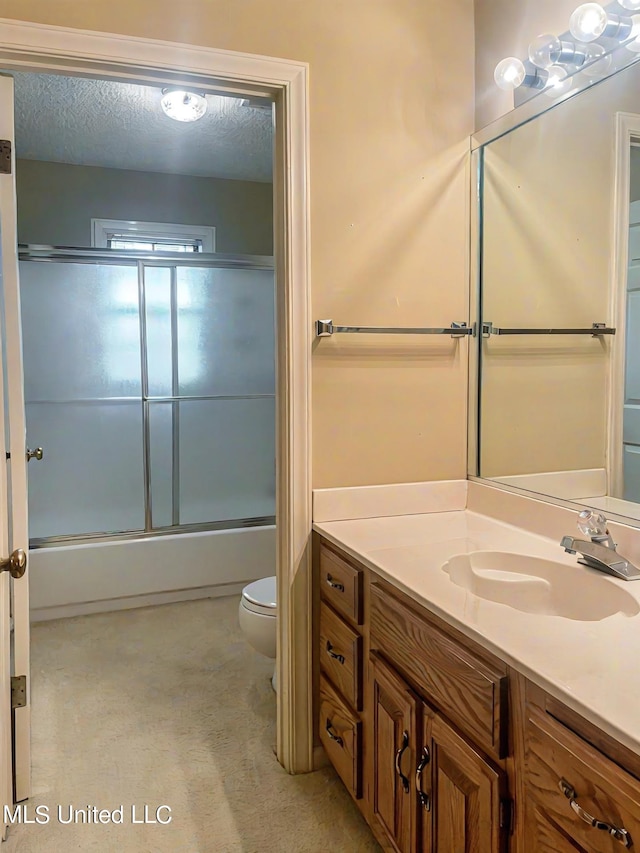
point(326, 328)
point(596, 330)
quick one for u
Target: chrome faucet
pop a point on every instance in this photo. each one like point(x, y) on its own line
point(599, 552)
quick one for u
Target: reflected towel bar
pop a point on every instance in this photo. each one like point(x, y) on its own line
point(326, 328)
point(596, 330)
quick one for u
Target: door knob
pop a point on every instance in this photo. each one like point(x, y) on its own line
point(38, 453)
point(16, 564)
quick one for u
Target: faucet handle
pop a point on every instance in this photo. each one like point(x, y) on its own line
point(592, 523)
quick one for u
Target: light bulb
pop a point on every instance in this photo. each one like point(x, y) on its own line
point(557, 73)
point(597, 62)
point(544, 50)
point(509, 73)
point(633, 46)
point(183, 106)
point(588, 22)
point(558, 81)
point(632, 5)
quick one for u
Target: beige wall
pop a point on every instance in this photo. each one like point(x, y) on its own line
point(391, 106)
point(505, 28)
point(547, 262)
point(56, 202)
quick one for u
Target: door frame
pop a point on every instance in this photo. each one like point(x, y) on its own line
point(627, 132)
point(28, 46)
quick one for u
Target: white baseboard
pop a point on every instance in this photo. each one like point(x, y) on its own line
point(65, 611)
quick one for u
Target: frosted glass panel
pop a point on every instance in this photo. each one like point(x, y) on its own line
point(225, 331)
point(91, 477)
point(157, 283)
point(160, 428)
point(80, 329)
point(227, 459)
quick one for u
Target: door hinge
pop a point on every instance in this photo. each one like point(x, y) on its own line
point(5, 156)
point(18, 691)
point(506, 815)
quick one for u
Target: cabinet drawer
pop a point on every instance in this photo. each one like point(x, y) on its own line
point(593, 786)
point(543, 836)
point(341, 584)
point(340, 734)
point(465, 688)
point(341, 655)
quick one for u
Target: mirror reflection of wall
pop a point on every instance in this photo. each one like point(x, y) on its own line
point(548, 208)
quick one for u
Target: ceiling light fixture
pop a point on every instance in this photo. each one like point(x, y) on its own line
point(181, 105)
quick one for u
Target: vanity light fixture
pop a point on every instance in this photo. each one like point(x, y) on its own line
point(579, 49)
point(181, 105)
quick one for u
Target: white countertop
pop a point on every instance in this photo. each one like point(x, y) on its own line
point(593, 667)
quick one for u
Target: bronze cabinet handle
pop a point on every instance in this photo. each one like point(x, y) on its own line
point(398, 762)
point(337, 738)
point(334, 584)
point(620, 834)
point(334, 655)
point(425, 799)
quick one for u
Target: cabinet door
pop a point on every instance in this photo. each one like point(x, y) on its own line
point(466, 796)
point(393, 762)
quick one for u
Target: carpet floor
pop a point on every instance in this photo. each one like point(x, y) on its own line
point(169, 706)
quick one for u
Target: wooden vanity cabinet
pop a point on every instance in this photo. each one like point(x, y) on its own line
point(390, 685)
point(443, 747)
point(579, 796)
point(431, 790)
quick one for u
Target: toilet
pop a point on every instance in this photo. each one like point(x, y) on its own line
point(257, 615)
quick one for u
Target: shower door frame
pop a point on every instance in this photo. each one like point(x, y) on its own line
point(29, 46)
point(141, 261)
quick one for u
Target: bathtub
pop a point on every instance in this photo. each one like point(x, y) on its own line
point(93, 577)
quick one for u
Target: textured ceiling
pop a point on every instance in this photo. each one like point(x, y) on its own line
point(121, 126)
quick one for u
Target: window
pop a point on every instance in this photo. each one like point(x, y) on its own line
point(151, 236)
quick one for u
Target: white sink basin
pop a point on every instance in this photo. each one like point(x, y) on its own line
point(535, 585)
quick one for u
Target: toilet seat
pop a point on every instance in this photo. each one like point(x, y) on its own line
point(260, 597)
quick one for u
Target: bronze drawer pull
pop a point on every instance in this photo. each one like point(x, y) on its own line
point(334, 585)
point(337, 738)
point(616, 832)
point(425, 799)
point(399, 754)
point(334, 655)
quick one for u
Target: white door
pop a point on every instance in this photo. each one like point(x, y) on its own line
point(14, 593)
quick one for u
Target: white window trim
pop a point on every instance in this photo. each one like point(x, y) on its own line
point(103, 229)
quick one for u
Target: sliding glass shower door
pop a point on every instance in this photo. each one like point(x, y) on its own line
point(150, 384)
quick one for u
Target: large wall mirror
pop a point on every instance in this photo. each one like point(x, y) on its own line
point(558, 405)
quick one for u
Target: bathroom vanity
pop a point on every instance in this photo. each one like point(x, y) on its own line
point(459, 724)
